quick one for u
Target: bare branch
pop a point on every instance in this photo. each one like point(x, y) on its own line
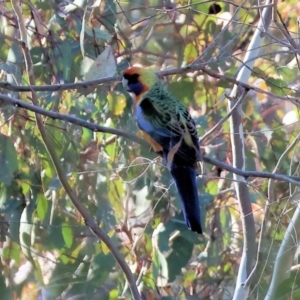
point(174, 71)
point(95, 127)
point(71, 119)
point(238, 144)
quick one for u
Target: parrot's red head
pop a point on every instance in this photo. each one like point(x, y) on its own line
point(138, 81)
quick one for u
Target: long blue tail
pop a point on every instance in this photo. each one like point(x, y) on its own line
point(185, 181)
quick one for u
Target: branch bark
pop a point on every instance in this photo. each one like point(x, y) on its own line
point(237, 142)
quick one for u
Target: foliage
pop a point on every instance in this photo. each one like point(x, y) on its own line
point(47, 250)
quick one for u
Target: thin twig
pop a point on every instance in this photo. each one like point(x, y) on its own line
point(174, 71)
point(207, 51)
point(247, 174)
point(271, 185)
point(284, 31)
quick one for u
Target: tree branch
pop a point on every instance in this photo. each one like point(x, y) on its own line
point(98, 128)
point(174, 71)
point(238, 144)
point(71, 119)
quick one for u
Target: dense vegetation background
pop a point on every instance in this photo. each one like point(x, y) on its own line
point(66, 59)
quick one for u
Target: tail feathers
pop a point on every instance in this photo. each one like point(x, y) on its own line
point(185, 180)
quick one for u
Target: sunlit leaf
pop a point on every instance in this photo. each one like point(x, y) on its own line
point(115, 194)
point(190, 53)
point(103, 66)
point(116, 103)
point(42, 207)
point(67, 234)
point(288, 74)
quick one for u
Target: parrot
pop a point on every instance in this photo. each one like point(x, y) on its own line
point(168, 127)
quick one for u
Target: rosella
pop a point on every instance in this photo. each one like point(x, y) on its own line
point(169, 128)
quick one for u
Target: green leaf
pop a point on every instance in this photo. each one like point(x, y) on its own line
point(278, 86)
point(8, 160)
point(42, 206)
point(286, 289)
point(190, 53)
point(68, 60)
point(160, 265)
point(15, 221)
point(12, 251)
point(109, 15)
point(288, 74)
point(115, 194)
point(103, 66)
point(100, 34)
point(212, 187)
point(183, 90)
point(100, 267)
point(67, 234)
point(27, 231)
point(181, 253)
point(160, 268)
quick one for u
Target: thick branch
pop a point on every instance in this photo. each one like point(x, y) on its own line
point(237, 141)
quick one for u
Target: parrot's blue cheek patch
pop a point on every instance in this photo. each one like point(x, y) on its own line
point(135, 88)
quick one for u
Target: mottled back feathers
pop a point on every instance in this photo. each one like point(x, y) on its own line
point(162, 116)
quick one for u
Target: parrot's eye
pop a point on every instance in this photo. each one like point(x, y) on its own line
point(132, 78)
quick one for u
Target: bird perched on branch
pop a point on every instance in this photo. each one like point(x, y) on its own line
point(169, 128)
